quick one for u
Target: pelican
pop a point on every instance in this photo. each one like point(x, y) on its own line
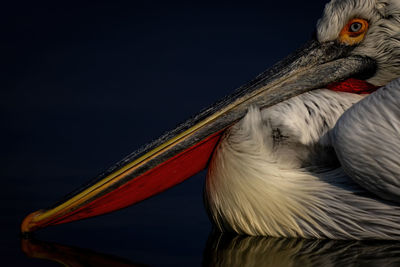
point(310, 148)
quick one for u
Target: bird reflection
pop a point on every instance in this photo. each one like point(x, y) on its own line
point(72, 256)
point(233, 250)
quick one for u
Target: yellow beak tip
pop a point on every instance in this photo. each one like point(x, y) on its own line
point(28, 224)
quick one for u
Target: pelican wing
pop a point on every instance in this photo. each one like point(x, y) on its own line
point(367, 141)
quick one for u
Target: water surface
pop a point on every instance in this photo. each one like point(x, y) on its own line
point(232, 250)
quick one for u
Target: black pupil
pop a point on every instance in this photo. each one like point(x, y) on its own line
point(355, 27)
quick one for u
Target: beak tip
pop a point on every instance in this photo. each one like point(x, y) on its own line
point(29, 224)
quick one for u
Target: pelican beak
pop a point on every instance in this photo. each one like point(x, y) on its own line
point(184, 151)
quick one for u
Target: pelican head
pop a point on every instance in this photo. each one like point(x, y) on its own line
point(356, 48)
point(372, 27)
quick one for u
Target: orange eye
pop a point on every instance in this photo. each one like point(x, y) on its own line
point(354, 32)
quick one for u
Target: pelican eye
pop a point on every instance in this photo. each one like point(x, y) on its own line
point(355, 27)
point(354, 32)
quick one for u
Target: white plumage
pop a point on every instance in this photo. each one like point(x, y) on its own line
point(276, 172)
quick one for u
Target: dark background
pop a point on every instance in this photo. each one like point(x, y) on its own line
point(86, 83)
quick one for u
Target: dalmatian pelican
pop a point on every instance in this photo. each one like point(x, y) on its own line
point(310, 148)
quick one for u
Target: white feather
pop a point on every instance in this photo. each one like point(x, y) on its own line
point(258, 185)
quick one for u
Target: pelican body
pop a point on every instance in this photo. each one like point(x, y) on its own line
point(310, 148)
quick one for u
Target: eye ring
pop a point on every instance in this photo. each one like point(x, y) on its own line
point(354, 31)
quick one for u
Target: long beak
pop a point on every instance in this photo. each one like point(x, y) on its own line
point(184, 151)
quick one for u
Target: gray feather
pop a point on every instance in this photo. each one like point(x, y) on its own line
point(367, 142)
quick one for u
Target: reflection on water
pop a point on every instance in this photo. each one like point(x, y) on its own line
point(71, 256)
point(233, 250)
point(229, 250)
